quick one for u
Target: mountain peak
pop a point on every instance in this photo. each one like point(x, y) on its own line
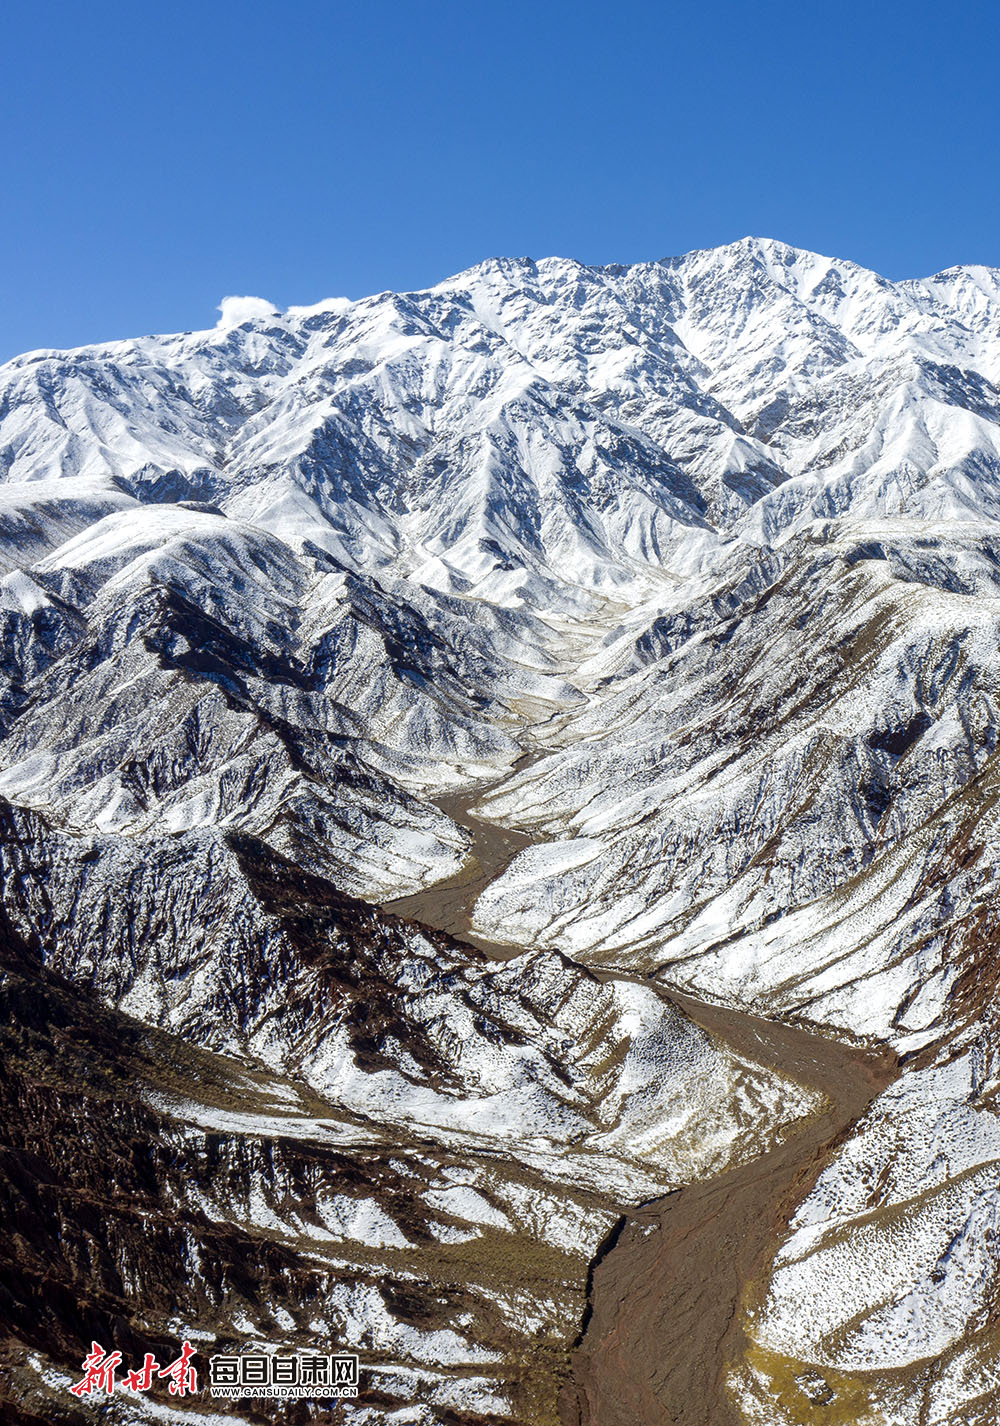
point(403, 701)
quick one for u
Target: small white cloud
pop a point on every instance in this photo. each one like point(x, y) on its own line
point(336, 306)
point(237, 310)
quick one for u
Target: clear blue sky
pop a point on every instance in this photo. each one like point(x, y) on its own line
point(158, 156)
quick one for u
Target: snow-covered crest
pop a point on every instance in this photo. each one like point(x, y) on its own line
point(643, 615)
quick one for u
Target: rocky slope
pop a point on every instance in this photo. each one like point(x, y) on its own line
point(684, 577)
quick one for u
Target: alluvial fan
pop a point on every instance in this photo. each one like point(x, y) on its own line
point(477, 761)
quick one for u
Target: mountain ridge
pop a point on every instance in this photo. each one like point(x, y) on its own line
point(686, 577)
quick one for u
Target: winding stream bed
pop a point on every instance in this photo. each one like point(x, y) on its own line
point(667, 1299)
point(669, 1289)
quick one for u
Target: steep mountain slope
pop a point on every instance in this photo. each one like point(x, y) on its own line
point(684, 578)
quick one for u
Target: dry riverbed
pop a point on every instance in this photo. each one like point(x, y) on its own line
point(667, 1296)
point(670, 1286)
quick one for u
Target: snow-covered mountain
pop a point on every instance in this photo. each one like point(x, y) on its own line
point(635, 626)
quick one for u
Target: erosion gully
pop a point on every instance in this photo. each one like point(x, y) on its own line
point(670, 1286)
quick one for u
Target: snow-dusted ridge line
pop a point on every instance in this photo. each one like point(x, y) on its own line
point(715, 542)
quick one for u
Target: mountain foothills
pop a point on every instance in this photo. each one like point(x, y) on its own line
point(412, 710)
